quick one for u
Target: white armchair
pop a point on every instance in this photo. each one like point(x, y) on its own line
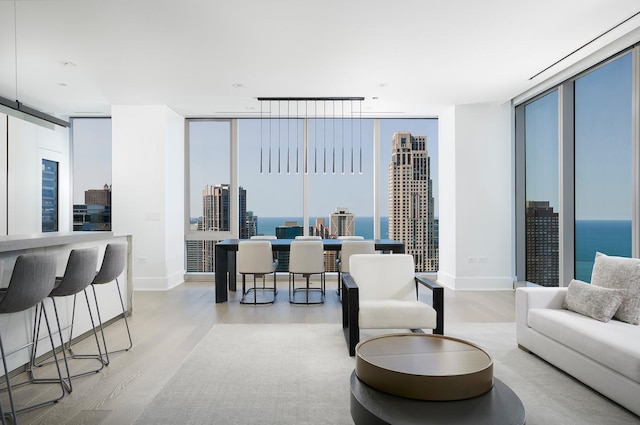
point(381, 292)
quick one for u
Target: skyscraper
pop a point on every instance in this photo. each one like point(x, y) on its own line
point(320, 229)
point(243, 231)
point(289, 230)
point(215, 207)
point(216, 213)
point(252, 224)
point(342, 223)
point(542, 244)
point(411, 204)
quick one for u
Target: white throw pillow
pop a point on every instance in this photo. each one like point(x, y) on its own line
point(620, 273)
point(593, 301)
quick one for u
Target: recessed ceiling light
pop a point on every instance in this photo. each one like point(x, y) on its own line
point(237, 85)
point(62, 84)
point(374, 98)
point(383, 84)
point(68, 63)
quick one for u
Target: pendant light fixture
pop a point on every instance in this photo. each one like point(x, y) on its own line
point(316, 103)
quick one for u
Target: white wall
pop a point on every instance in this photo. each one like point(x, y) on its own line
point(476, 197)
point(27, 145)
point(148, 191)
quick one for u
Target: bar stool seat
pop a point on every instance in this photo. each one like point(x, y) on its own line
point(32, 280)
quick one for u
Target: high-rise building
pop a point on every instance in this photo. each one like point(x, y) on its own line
point(320, 229)
point(216, 214)
point(252, 224)
point(98, 196)
point(411, 204)
point(342, 223)
point(289, 230)
point(216, 207)
point(542, 244)
point(95, 213)
point(243, 230)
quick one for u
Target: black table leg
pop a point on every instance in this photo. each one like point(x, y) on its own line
point(221, 274)
point(232, 270)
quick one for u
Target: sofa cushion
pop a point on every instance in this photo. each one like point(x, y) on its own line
point(620, 273)
point(594, 301)
point(613, 344)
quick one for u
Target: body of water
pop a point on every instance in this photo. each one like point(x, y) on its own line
point(611, 237)
point(364, 225)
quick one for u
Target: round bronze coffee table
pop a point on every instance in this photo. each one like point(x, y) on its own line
point(429, 379)
point(424, 366)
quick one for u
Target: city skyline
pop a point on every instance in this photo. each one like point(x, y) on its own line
point(209, 164)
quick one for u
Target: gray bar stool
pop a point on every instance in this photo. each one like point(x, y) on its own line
point(80, 271)
point(113, 264)
point(32, 280)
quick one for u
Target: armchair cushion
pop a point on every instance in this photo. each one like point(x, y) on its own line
point(396, 314)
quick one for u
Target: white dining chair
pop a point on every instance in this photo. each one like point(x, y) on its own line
point(255, 257)
point(306, 258)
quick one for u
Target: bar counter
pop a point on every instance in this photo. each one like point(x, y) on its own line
point(16, 328)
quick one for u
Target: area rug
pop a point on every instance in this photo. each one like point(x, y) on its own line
point(299, 374)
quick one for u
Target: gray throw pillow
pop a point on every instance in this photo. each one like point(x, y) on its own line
point(620, 273)
point(593, 301)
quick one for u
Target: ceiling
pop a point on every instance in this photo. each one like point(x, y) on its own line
point(207, 58)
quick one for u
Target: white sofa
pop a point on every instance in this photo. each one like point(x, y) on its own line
point(604, 356)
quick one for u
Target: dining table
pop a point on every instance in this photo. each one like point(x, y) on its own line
point(225, 258)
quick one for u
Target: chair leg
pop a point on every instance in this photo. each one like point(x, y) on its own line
point(104, 359)
point(126, 323)
point(2, 415)
point(36, 339)
point(60, 379)
point(11, 415)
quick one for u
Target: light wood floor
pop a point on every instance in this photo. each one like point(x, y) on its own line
point(167, 325)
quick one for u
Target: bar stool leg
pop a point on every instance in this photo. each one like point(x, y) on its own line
point(12, 415)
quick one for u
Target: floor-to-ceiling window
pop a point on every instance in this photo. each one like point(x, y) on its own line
point(541, 177)
point(91, 174)
point(603, 163)
point(292, 159)
point(577, 146)
point(209, 191)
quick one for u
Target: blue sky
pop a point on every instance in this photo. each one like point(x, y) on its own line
point(602, 148)
point(92, 155)
point(280, 193)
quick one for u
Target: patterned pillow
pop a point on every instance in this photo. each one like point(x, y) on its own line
point(620, 273)
point(593, 301)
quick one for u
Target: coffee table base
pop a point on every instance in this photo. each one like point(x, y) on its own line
point(372, 407)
